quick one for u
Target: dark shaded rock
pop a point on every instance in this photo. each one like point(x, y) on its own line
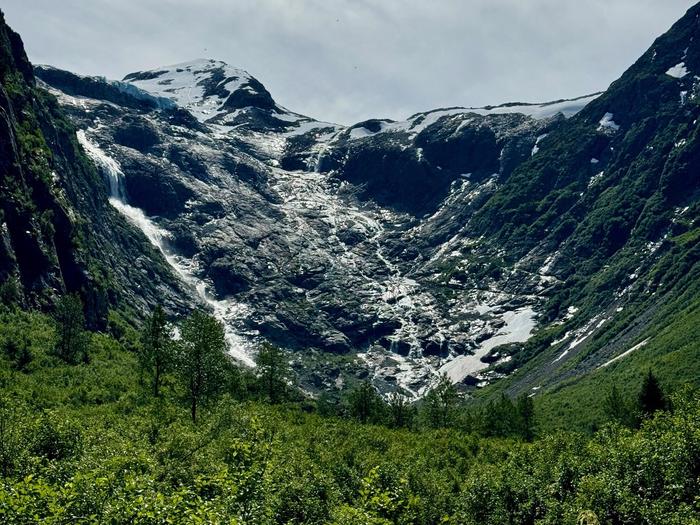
point(148, 188)
point(137, 134)
point(470, 381)
point(308, 279)
point(253, 93)
point(336, 342)
point(188, 161)
point(435, 348)
point(144, 75)
point(351, 237)
point(183, 240)
point(227, 277)
point(181, 117)
point(97, 88)
point(473, 149)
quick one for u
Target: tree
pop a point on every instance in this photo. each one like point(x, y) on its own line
point(10, 291)
point(651, 396)
point(525, 408)
point(365, 404)
point(72, 345)
point(500, 418)
point(440, 404)
point(618, 409)
point(201, 360)
point(272, 371)
point(156, 352)
point(401, 412)
point(17, 348)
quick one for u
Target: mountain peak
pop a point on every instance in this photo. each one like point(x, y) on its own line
point(209, 89)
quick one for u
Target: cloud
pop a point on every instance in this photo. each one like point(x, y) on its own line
point(346, 61)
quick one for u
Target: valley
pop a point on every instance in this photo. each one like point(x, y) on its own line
point(248, 207)
point(214, 309)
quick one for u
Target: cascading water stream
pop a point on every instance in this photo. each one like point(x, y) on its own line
point(226, 311)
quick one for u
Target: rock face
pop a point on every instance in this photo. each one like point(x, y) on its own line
point(422, 246)
point(57, 232)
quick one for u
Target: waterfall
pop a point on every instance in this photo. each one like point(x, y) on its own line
point(392, 346)
point(109, 166)
point(227, 311)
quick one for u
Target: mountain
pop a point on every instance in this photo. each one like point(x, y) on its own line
point(296, 231)
point(529, 247)
point(547, 252)
point(58, 234)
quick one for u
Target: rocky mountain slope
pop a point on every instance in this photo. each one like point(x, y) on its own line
point(57, 232)
point(320, 238)
point(402, 250)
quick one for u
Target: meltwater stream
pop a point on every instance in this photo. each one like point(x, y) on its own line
point(227, 311)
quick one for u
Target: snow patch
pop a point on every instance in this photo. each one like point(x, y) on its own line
point(678, 71)
point(595, 179)
point(608, 124)
point(536, 147)
point(518, 329)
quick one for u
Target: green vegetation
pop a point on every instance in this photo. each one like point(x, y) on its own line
point(201, 362)
point(156, 350)
point(72, 345)
point(90, 442)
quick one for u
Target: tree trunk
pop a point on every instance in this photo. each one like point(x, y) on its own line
point(156, 381)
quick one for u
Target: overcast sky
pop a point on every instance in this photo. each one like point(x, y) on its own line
point(346, 61)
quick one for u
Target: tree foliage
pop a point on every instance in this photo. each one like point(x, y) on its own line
point(201, 361)
point(72, 345)
point(366, 405)
point(82, 444)
point(440, 404)
point(156, 351)
point(273, 372)
point(651, 396)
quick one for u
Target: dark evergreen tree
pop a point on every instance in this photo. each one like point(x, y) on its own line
point(272, 371)
point(500, 418)
point(328, 405)
point(18, 351)
point(525, 408)
point(440, 404)
point(651, 396)
point(618, 409)
point(401, 412)
point(365, 404)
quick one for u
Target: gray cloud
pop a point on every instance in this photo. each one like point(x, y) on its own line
point(346, 61)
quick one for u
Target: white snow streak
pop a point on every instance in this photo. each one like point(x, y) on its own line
point(625, 354)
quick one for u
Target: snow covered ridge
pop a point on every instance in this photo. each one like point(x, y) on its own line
point(216, 93)
point(420, 121)
point(568, 108)
point(206, 88)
